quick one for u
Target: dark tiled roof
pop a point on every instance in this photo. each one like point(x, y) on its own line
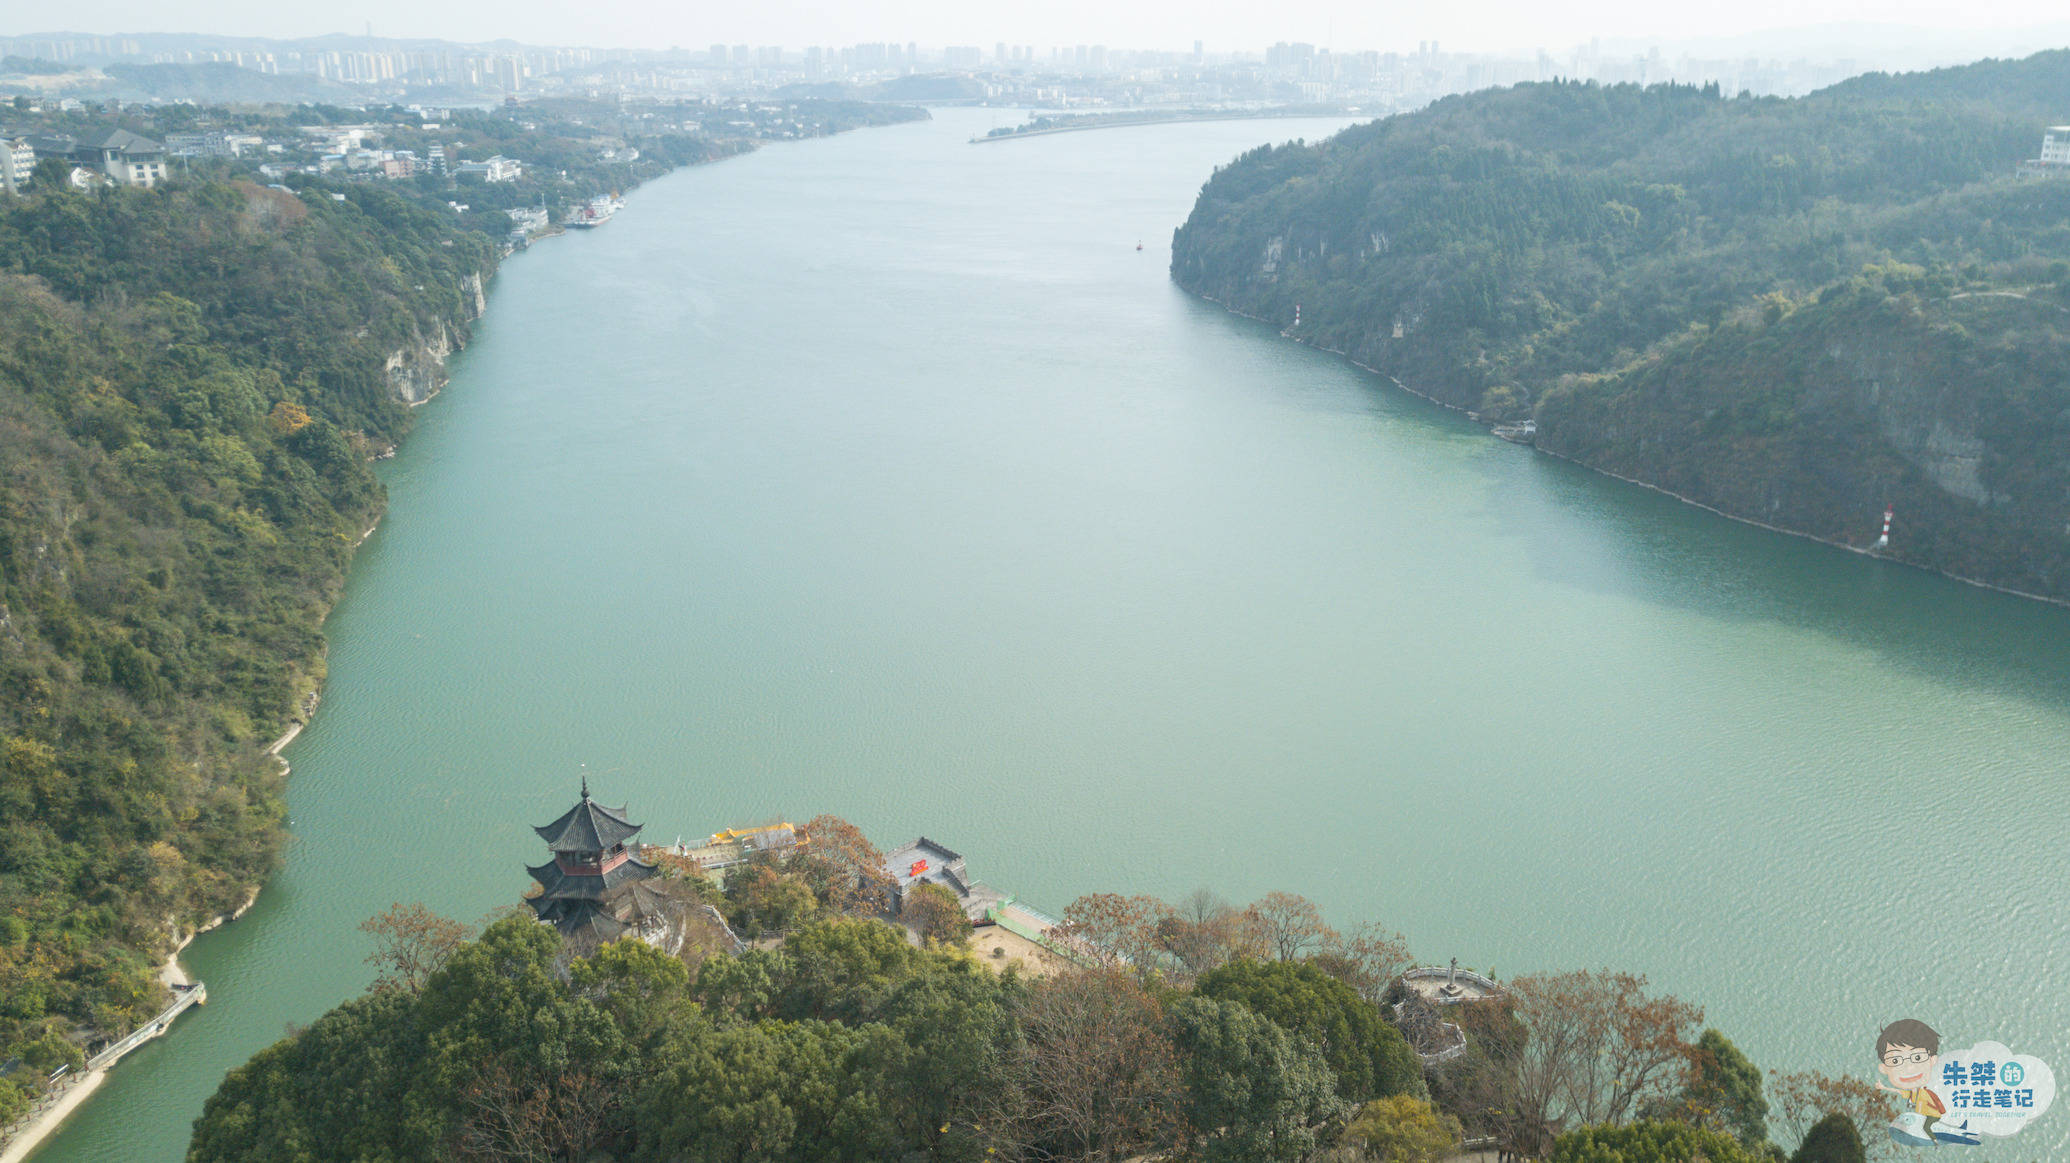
point(123, 140)
point(556, 884)
point(588, 827)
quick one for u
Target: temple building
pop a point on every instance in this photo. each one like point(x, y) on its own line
point(592, 887)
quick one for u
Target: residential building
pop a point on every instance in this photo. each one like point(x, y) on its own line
point(495, 169)
point(17, 163)
point(2055, 146)
point(128, 158)
point(2054, 161)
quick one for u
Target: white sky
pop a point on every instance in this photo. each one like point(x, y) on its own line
point(1225, 25)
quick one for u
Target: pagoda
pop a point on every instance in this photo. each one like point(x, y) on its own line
point(591, 888)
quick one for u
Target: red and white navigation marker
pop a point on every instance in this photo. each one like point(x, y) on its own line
point(1883, 542)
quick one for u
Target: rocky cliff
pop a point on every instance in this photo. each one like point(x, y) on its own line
point(1791, 311)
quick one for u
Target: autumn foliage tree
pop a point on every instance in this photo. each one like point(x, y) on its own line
point(410, 943)
point(1596, 1047)
point(1292, 926)
point(842, 868)
point(1799, 1101)
point(1115, 930)
point(935, 915)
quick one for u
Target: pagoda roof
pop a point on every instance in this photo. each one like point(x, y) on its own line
point(557, 883)
point(588, 827)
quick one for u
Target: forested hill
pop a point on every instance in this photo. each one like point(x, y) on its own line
point(193, 381)
point(191, 384)
point(1795, 311)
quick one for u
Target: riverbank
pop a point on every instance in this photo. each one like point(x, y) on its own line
point(51, 1118)
point(1651, 487)
point(1123, 122)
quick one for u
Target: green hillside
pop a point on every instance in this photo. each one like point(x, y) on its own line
point(1795, 311)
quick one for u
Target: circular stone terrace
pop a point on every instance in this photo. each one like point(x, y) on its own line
point(1447, 985)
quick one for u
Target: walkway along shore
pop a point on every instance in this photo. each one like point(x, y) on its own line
point(1857, 549)
point(64, 1096)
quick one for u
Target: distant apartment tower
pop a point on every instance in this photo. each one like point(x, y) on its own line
point(510, 74)
point(718, 54)
point(2055, 146)
point(961, 56)
point(2054, 161)
point(17, 163)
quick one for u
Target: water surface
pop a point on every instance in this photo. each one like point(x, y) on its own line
point(883, 475)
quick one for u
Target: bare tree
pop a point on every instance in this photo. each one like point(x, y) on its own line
point(410, 943)
point(1293, 927)
point(513, 1120)
point(1115, 930)
point(1799, 1100)
point(1596, 1046)
point(1096, 1077)
point(1368, 959)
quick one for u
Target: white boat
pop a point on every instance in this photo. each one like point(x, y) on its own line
point(594, 212)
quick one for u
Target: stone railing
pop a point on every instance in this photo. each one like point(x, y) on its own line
point(1487, 986)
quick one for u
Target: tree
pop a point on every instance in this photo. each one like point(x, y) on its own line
point(1293, 927)
point(762, 899)
point(51, 175)
point(1368, 1056)
point(780, 1092)
point(513, 1119)
point(1205, 932)
point(843, 970)
point(1801, 1100)
point(1115, 930)
point(1097, 1076)
point(410, 943)
point(935, 915)
point(1369, 960)
point(842, 868)
point(1403, 1130)
point(1252, 1091)
point(1596, 1046)
point(1833, 1139)
point(1652, 1142)
point(1724, 1091)
point(948, 1076)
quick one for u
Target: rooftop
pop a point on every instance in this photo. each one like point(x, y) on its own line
point(123, 140)
point(588, 827)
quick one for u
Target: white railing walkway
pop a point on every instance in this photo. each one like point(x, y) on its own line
point(184, 996)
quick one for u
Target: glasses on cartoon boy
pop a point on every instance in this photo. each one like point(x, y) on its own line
point(1899, 1058)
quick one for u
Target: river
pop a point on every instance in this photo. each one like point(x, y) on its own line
point(883, 475)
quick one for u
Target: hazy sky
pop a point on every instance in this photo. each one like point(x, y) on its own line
point(1464, 25)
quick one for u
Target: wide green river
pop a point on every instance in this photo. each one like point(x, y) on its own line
point(883, 475)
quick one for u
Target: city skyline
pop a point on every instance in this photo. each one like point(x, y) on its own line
point(1486, 26)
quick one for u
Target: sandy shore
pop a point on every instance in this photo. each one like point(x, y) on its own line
point(19, 1147)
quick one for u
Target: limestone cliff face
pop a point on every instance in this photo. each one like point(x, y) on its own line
point(1954, 412)
point(416, 371)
